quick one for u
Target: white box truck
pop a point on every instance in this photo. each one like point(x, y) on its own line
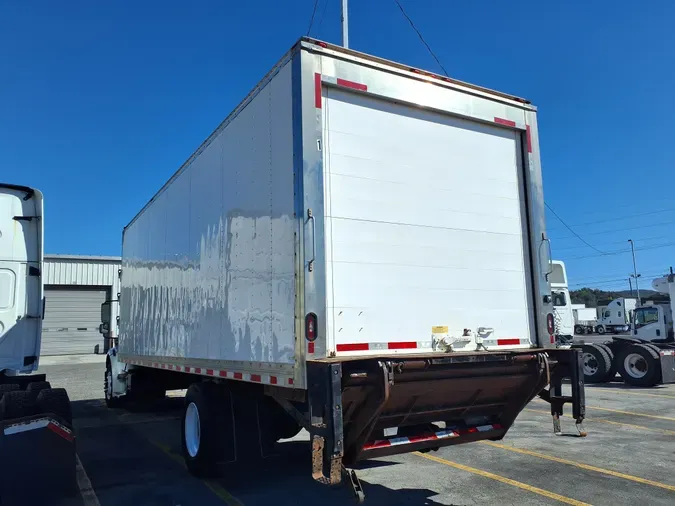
point(37, 443)
point(359, 249)
point(562, 303)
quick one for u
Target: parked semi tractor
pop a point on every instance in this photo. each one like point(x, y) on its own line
point(562, 303)
point(36, 435)
point(616, 317)
point(647, 356)
point(296, 272)
point(585, 320)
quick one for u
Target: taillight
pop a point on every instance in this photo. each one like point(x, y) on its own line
point(549, 323)
point(311, 323)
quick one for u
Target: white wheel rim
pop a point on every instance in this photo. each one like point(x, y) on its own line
point(590, 364)
point(635, 365)
point(108, 385)
point(192, 431)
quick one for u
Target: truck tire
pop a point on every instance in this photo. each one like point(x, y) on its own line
point(639, 365)
point(8, 387)
point(600, 329)
point(612, 359)
point(110, 401)
point(56, 402)
point(36, 387)
point(16, 404)
point(579, 329)
point(597, 363)
point(206, 425)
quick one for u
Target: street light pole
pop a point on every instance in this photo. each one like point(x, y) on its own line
point(635, 274)
point(345, 24)
point(630, 284)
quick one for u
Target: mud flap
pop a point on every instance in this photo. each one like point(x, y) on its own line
point(667, 366)
point(41, 461)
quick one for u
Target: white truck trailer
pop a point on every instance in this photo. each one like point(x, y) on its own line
point(37, 444)
point(359, 249)
point(585, 319)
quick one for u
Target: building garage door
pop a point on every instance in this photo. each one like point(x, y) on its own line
point(72, 317)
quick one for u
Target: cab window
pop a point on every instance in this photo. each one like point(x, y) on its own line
point(645, 316)
point(559, 299)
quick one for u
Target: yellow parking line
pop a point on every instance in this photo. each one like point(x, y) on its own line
point(213, 486)
point(632, 413)
point(502, 479)
point(580, 465)
point(601, 420)
point(87, 492)
point(628, 392)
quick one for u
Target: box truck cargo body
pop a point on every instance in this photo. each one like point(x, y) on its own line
point(364, 240)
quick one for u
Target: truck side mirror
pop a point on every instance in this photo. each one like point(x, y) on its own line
point(105, 313)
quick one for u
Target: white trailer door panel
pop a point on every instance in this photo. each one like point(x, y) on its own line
point(424, 218)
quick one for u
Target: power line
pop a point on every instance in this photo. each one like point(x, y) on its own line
point(421, 38)
point(640, 227)
point(623, 241)
point(311, 21)
point(622, 252)
point(622, 218)
point(323, 12)
point(576, 235)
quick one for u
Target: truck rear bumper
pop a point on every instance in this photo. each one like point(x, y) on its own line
point(367, 408)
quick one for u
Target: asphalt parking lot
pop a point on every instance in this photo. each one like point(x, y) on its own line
point(133, 458)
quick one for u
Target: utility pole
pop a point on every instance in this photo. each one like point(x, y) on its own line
point(630, 283)
point(345, 24)
point(635, 274)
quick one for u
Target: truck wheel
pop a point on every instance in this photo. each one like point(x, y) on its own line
point(36, 387)
point(204, 427)
point(16, 404)
point(612, 360)
point(55, 401)
point(579, 329)
point(600, 329)
point(110, 401)
point(597, 363)
point(640, 366)
point(8, 387)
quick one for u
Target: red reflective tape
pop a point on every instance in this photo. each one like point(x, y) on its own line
point(209, 372)
point(256, 377)
point(352, 347)
point(222, 374)
point(506, 122)
point(529, 138)
point(238, 376)
point(273, 380)
point(354, 86)
point(401, 346)
point(508, 342)
point(198, 370)
point(552, 338)
point(317, 90)
point(68, 436)
point(310, 347)
point(178, 368)
point(377, 444)
point(163, 366)
point(496, 426)
point(290, 381)
point(170, 367)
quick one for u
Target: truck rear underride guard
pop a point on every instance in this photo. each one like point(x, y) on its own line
point(374, 407)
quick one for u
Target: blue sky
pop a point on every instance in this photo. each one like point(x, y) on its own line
point(102, 101)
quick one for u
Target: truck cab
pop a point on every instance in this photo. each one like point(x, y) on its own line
point(654, 323)
point(562, 304)
point(617, 316)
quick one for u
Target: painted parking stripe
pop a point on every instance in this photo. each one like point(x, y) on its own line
point(216, 488)
point(89, 497)
point(625, 391)
point(502, 479)
point(622, 412)
point(581, 465)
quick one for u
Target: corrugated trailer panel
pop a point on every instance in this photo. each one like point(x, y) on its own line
point(209, 264)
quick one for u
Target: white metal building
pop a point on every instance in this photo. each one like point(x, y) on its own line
point(75, 287)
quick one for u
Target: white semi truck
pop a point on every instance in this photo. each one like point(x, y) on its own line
point(37, 443)
point(647, 356)
point(562, 303)
point(359, 249)
point(616, 317)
